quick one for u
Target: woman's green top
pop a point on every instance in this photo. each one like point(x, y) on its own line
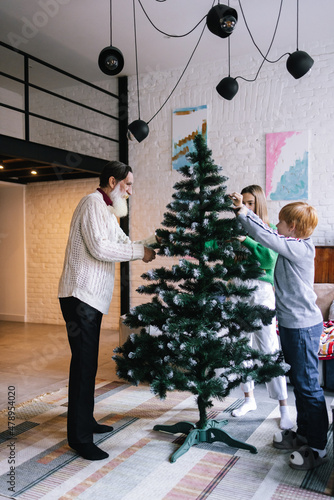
point(266, 257)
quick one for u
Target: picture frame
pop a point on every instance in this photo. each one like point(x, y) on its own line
point(186, 124)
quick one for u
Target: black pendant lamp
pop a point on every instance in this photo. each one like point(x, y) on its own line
point(227, 88)
point(221, 20)
point(111, 60)
point(299, 62)
point(138, 129)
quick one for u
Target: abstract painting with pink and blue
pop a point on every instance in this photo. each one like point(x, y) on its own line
point(287, 166)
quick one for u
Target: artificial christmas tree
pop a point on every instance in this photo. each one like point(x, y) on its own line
point(199, 305)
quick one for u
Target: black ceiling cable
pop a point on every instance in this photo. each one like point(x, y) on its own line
point(167, 34)
point(271, 43)
point(135, 35)
point(252, 38)
point(110, 16)
point(193, 52)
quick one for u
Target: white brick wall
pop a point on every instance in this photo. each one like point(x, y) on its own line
point(236, 131)
point(49, 206)
point(49, 209)
point(275, 102)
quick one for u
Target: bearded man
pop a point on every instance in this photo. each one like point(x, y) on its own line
point(95, 243)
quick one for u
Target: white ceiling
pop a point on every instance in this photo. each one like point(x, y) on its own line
point(71, 33)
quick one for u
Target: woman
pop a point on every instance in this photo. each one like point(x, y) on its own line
point(265, 340)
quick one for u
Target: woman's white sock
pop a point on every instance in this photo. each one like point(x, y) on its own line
point(248, 405)
point(286, 422)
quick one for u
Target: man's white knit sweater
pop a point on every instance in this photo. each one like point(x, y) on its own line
point(95, 243)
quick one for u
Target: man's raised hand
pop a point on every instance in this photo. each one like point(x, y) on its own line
point(149, 254)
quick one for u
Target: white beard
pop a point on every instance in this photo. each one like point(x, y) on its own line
point(119, 203)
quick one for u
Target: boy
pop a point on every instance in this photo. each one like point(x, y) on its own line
point(300, 324)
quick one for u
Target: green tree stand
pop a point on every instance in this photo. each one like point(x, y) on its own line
point(208, 434)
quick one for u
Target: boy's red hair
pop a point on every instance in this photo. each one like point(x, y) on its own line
point(302, 215)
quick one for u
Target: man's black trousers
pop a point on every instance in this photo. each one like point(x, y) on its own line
point(83, 324)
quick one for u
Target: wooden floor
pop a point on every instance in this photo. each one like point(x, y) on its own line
point(35, 359)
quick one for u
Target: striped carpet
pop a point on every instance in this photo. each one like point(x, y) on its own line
point(36, 463)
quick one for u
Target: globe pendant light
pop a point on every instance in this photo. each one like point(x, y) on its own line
point(221, 20)
point(138, 130)
point(111, 60)
point(299, 63)
point(227, 87)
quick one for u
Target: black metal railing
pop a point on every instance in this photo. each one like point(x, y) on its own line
point(122, 124)
point(28, 113)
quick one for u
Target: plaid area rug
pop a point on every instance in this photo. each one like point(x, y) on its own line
point(36, 462)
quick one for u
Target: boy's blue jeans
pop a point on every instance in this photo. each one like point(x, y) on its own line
point(300, 348)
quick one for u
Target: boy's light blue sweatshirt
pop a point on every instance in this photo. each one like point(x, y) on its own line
point(294, 273)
